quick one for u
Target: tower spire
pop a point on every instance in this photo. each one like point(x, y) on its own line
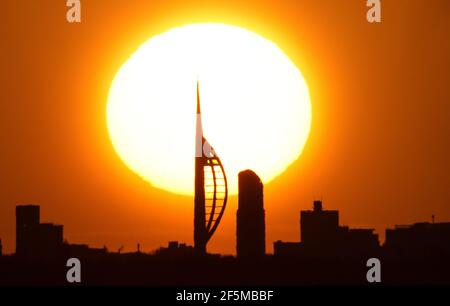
point(198, 98)
point(200, 233)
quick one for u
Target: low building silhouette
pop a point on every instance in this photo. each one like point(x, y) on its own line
point(422, 240)
point(176, 249)
point(288, 249)
point(358, 241)
point(321, 236)
point(250, 217)
point(84, 251)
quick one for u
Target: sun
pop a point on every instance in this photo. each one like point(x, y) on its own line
point(256, 109)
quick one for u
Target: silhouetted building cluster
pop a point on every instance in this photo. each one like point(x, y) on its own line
point(37, 241)
point(34, 238)
point(327, 253)
point(321, 236)
point(250, 224)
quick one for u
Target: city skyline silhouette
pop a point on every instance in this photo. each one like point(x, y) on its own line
point(378, 133)
point(327, 253)
point(346, 121)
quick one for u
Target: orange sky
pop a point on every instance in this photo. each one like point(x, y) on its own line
point(379, 145)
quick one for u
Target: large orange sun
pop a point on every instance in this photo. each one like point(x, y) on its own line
point(256, 108)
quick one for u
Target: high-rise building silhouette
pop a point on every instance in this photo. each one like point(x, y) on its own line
point(27, 219)
point(319, 226)
point(211, 190)
point(250, 227)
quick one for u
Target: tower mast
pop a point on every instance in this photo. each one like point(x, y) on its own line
point(200, 235)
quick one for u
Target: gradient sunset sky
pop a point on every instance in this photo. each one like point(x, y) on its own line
point(379, 147)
